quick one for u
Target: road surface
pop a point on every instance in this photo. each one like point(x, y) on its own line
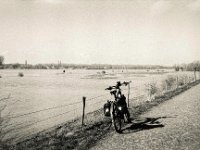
point(173, 125)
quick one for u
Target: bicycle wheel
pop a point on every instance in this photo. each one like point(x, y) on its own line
point(117, 122)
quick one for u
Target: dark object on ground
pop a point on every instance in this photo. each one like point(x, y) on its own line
point(20, 74)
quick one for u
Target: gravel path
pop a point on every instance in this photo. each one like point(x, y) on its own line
point(173, 125)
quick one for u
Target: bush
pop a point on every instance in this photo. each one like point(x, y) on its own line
point(103, 72)
point(20, 74)
point(169, 83)
point(181, 81)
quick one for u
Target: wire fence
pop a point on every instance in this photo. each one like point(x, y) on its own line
point(97, 100)
point(17, 127)
point(46, 109)
point(90, 102)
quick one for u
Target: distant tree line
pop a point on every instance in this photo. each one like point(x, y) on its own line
point(75, 66)
point(1, 62)
point(81, 66)
point(194, 66)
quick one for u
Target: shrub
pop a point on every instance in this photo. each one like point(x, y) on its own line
point(184, 79)
point(181, 81)
point(103, 72)
point(169, 83)
point(20, 74)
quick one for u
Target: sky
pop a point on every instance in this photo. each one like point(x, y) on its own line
point(155, 32)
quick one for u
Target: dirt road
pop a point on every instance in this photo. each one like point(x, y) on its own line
point(173, 125)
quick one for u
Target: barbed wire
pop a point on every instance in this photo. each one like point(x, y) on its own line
point(46, 109)
point(60, 106)
point(13, 124)
point(133, 87)
point(103, 95)
point(97, 102)
point(137, 97)
point(42, 120)
point(50, 108)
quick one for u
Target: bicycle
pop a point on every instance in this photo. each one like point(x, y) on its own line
point(117, 108)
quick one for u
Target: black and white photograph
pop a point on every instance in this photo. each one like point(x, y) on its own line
point(99, 74)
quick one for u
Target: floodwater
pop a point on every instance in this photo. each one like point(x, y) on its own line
point(45, 98)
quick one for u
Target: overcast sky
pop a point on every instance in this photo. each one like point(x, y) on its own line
point(163, 32)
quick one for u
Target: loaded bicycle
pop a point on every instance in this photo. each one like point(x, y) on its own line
point(117, 109)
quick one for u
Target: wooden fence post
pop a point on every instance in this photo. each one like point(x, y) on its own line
point(83, 115)
point(195, 75)
point(149, 91)
point(184, 80)
point(128, 93)
point(199, 75)
point(177, 81)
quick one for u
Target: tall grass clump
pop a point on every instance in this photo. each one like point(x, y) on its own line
point(169, 83)
point(152, 90)
point(181, 81)
point(184, 79)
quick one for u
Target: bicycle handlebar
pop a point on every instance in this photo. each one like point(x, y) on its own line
point(126, 83)
point(118, 85)
point(111, 88)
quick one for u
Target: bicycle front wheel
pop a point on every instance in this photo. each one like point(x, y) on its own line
point(117, 122)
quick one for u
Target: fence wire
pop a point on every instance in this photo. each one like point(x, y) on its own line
point(42, 120)
point(46, 109)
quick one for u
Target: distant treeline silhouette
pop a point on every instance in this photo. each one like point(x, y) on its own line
point(82, 66)
point(194, 66)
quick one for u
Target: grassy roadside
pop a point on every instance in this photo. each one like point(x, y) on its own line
point(74, 136)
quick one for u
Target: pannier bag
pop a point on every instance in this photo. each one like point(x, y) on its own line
point(107, 109)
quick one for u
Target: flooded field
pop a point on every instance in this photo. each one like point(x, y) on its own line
point(45, 98)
